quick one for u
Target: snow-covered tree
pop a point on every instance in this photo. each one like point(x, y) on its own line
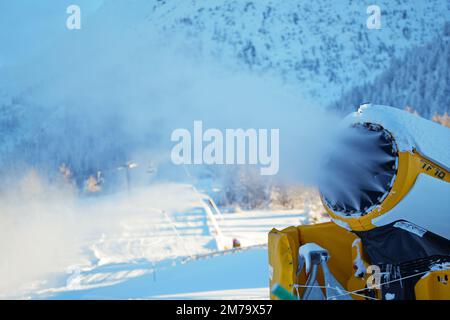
point(420, 80)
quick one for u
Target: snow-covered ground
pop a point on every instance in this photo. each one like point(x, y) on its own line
point(238, 275)
point(252, 227)
point(171, 253)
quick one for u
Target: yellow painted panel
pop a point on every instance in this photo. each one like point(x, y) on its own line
point(283, 254)
point(434, 286)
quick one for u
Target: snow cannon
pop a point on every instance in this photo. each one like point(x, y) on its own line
point(388, 166)
point(385, 184)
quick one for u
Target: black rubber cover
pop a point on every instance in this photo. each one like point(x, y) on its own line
point(400, 253)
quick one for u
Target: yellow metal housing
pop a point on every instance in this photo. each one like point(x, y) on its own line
point(283, 255)
point(343, 249)
point(434, 286)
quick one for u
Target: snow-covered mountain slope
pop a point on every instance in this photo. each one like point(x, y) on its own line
point(420, 80)
point(118, 87)
point(323, 46)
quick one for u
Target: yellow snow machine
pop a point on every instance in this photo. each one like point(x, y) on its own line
point(385, 185)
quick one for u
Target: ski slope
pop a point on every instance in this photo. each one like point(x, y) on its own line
point(235, 275)
point(180, 249)
point(252, 227)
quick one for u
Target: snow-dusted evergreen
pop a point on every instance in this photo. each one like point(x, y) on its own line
point(323, 46)
point(418, 81)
